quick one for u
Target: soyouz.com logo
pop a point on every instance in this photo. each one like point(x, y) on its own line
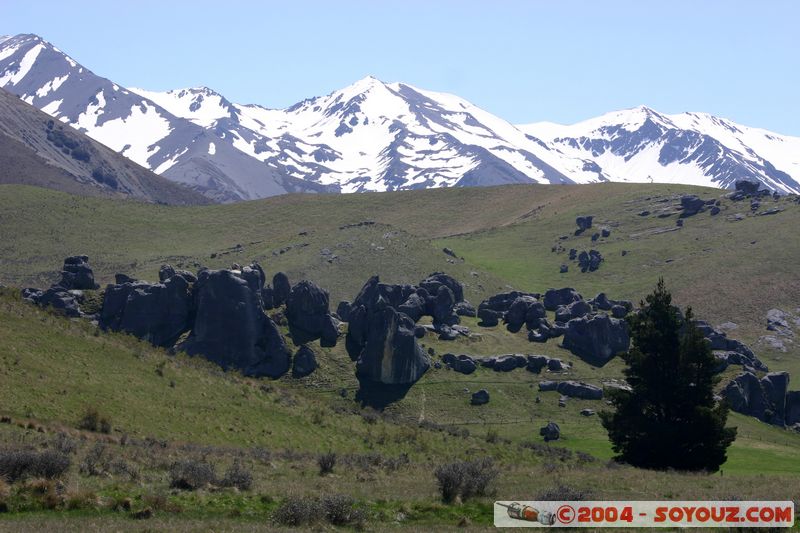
point(644, 514)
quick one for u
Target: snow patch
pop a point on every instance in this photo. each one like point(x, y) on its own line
point(25, 64)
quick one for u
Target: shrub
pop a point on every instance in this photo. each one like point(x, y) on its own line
point(237, 476)
point(63, 443)
point(297, 511)
point(80, 154)
point(93, 421)
point(340, 510)
point(337, 509)
point(95, 462)
point(19, 464)
point(465, 478)
point(562, 493)
point(191, 474)
point(326, 462)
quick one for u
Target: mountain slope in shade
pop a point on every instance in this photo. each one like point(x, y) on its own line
point(376, 136)
point(641, 145)
point(138, 128)
point(37, 150)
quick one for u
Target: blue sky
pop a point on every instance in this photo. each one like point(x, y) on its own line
point(525, 61)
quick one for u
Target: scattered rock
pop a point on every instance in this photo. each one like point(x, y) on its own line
point(463, 364)
point(573, 389)
point(691, 205)
point(550, 432)
point(465, 308)
point(480, 398)
point(587, 412)
point(77, 274)
point(343, 310)
point(583, 223)
point(589, 261)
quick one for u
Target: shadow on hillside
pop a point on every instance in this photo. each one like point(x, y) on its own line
point(378, 395)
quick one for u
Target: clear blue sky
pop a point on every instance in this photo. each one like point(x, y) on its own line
point(522, 60)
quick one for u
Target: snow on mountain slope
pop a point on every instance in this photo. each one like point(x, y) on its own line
point(201, 105)
point(139, 128)
point(376, 136)
point(641, 145)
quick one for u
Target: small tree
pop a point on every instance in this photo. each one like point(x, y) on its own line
point(669, 419)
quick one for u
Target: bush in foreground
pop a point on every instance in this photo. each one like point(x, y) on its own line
point(20, 464)
point(337, 509)
point(190, 474)
point(465, 479)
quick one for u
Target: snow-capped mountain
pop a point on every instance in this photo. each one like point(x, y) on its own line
point(642, 145)
point(137, 127)
point(376, 136)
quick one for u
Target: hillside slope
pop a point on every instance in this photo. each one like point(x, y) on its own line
point(166, 408)
point(503, 237)
point(36, 150)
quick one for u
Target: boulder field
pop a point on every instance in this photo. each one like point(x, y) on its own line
point(221, 315)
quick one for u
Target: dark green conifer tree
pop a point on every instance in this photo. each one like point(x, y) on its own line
point(669, 419)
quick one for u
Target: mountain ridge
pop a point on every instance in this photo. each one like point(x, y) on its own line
point(377, 136)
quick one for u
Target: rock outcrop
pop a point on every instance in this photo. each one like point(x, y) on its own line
point(597, 338)
point(768, 399)
point(231, 329)
point(308, 314)
point(158, 313)
point(381, 339)
point(304, 363)
point(573, 389)
point(77, 274)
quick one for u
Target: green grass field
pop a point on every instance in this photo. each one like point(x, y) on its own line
point(53, 369)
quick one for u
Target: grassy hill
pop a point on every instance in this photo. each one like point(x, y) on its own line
point(164, 408)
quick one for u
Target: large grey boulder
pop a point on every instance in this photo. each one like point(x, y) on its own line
point(416, 305)
point(524, 310)
point(576, 309)
point(77, 274)
point(553, 298)
point(158, 313)
point(465, 309)
point(572, 389)
point(536, 363)
point(382, 342)
point(691, 205)
point(463, 364)
point(438, 279)
point(309, 316)
point(231, 329)
point(746, 395)
point(776, 386)
point(343, 310)
point(304, 363)
point(579, 389)
point(480, 397)
point(494, 308)
point(442, 307)
point(56, 297)
point(550, 432)
point(280, 289)
point(792, 408)
point(597, 338)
